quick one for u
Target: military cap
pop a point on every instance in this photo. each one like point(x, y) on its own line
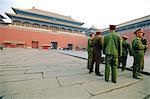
point(112, 27)
point(138, 31)
point(98, 32)
point(124, 36)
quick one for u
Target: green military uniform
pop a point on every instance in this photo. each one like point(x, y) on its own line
point(138, 54)
point(97, 47)
point(144, 42)
point(90, 51)
point(125, 48)
point(112, 48)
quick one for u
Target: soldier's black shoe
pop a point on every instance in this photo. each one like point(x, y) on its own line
point(91, 71)
point(1, 97)
point(122, 70)
point(106, 80)
point(99, 74)
point(119, 66)
point(131, 67)
point(114, 81)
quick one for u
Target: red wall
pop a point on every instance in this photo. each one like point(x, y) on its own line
point(42, 37)
point(46, 37)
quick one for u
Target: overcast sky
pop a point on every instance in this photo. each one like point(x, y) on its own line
point(99, 13)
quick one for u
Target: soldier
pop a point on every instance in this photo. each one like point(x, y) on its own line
point(112, 48)
point(125, 49)
point(97, 47)
point(90, 50)
point(138, 53)
point(144, 42)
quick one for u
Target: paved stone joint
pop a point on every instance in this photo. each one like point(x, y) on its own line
point(47, 74)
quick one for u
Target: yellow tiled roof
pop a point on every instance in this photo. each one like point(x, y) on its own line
point(44, 20)
point(46, 13)
point(134, 21)
point(1, 17)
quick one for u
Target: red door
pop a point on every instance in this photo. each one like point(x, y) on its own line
point(35, 44)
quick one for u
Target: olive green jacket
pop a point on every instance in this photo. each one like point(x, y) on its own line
point(137, 47)
point(97, 42)
point(144, 42)
point(112, 44)
point(89, 45)
point(126, 48)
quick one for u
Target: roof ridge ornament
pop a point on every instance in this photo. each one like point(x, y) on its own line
point(33, 7)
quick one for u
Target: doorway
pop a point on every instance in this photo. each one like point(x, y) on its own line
point(35, 44)
point(70, 46)
point(54, 45)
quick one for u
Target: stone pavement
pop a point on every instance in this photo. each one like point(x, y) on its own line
point(47, 74)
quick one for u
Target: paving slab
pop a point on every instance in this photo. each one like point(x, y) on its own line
point(12, 72)
point(68, 92)
point(77, 79)
point(6, 66)
point(39, 70)
point(64, 73)
point(28, 86)
point(138, 90)
point(9, 78)
point(125, 93)
point(66, 67)
point(143, 86)
point(1, 87)
point(54, 68)
point(99, 87)
point(6, 69)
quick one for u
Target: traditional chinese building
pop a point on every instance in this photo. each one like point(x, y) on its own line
point(129, 27)
point(36, 28)
point(92, 29)
point(1, 19)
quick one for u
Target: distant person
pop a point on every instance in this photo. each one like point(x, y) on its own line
point(96, 57)
point(1, 47)
point(126, 48)
point(112, 48)
point(90, 50)
point(138, 53)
